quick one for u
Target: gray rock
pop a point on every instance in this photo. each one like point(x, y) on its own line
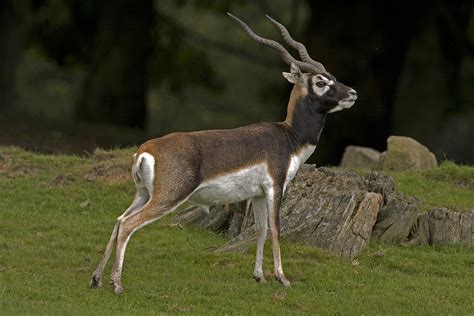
point(405, 153)
point(398, 213)
point(219, 219)
point(380, 183)
point(443, 226)
point(356, 157)
point(396, 219)
point(339, 211)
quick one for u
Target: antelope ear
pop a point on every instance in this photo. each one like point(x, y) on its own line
point(295, 75)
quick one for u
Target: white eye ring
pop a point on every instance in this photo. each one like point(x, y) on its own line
point(321, 84)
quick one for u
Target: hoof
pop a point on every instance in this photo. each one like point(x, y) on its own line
point(118, 289)
point(259, 278)
point(283, 280)
point(96, 280)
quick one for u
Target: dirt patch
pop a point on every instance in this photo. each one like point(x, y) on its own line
point(180, 308)
point(100, 154)
point(5, 163)
point(109, 172)
point(109, 166)
point(225, 263)
point(64, 180)
point(11, 169)
point(279, 295)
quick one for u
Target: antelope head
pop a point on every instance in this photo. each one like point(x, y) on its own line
point(311, 80)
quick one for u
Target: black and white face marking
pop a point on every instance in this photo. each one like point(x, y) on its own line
point(330, 94)
point(321, 84)
point(345, 103)
point(334, 94)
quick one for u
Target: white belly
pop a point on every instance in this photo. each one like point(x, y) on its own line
point(233, 187)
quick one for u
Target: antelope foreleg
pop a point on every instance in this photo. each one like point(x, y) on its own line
point(261, 227)
point(273, 204)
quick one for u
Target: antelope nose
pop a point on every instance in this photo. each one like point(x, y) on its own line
point(352, 92)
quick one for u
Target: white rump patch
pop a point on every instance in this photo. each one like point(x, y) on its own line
point(144, 171)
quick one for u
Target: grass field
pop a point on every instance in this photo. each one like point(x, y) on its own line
point(450, 186)
point(57, 212)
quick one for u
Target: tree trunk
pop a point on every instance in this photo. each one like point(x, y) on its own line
point(10, 49)
point(115, 87)
point(364, 45)
point(435, 98)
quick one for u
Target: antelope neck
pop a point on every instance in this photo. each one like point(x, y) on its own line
point(304, 120)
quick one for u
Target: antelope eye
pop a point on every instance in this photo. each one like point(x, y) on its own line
point(321, 84)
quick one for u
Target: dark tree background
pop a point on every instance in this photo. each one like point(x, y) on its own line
point(11, 31)
point(77, 74)
point(116, 82)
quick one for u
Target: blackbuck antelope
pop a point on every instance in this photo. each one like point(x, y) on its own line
point(254, 162)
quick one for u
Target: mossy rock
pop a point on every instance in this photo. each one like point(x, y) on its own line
point(357, 157)
point(405, 153)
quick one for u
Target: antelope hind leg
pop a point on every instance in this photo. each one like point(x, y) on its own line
point(96, 279)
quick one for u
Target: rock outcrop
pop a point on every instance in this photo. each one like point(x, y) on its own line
point(339, 211)
point(443, 226)
point(356, 157)
point(331, 209)
point(405, 153)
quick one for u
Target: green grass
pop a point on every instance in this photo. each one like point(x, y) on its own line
point(56, 215)
point(450, 186)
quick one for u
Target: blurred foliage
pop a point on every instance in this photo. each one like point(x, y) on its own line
point(50, 90)
point(203, 72)
point(177, 63)
point(63, 29)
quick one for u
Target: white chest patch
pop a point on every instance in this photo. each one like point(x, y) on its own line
point(296, 161)
point(233, 187)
